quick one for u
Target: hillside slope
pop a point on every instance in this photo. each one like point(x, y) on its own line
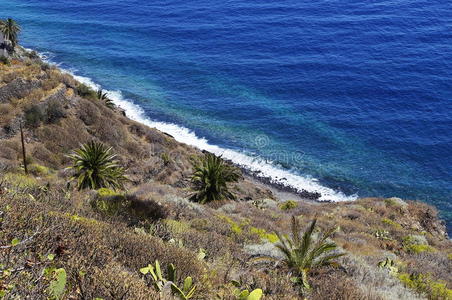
point(102, 238)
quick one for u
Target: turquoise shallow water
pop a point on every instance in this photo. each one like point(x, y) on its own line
point(345, 97)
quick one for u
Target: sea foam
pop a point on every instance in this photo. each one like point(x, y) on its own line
point(261, 167)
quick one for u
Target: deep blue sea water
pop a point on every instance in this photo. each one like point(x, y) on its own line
point(352, 98)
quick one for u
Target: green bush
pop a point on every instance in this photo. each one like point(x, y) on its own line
point(416, 249)
point(130, 207)
point(85, 91)
point(38, 170)
point(289, 204)
point(20, 180)
point(422, 283)
point(34, 116)
point(263, 234)
point(109, 202)
point(391, 223)
point(5, 60)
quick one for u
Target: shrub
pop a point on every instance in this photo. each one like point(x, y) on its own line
point(302, 253)
point(166, 158)
point(34, 116)
point(263, 234)
point(38, 170)
point(55, 111)
point(96, 167)
point(416, 249)
point(391, 223)
point(32, 54)
point(5, 60)
point(146, 209)
point(85, 91)
point(423, 284)
point(416, 244)
point(45, 66)
point(132, 208)
point(20, 180)
point(289, 204)
point(108, 202)
point(211, 177)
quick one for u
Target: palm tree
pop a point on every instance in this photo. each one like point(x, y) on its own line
point(104, 97)
point(10, 30)
point(96, 167)
point(211, 177)
point(101, 95)
point(302, 253)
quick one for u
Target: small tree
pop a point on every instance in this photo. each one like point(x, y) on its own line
point(96, 167)
point(211, 177)
point(302, 252)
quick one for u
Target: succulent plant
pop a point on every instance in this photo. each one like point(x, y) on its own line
point(185, 292)
point(254, 295)
point(388, 264)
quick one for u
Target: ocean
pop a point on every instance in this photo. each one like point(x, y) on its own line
point(348, 98)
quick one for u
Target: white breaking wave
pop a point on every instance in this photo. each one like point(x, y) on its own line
point(263, 168)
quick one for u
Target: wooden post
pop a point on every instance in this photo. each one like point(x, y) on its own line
point(23, 148)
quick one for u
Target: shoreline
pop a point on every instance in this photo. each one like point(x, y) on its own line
point(278, 180)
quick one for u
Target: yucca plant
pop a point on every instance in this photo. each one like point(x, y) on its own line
point(10, 30)
point(103, 96)
point(96, 167)
point(303, 252)
point(211, 177)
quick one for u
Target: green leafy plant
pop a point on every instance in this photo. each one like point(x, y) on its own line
point(388, 264)
point(58, 284)
point(85, 91)
point(185, 292)
point(96, 167)
point(382, 234)
point(166, 158)
point(103, 96)
point(303, 252)
point(211, 177)
point(5, 60)
point(423, 284)
point(10, 30)
point(289, 204)
point(245, 294)
point(34, 115)
point(254, 295)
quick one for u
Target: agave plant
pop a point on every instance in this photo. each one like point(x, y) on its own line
point(211, 177)
point(10, 30)
point(96, 167)
point(103, 96)
point(302, 252)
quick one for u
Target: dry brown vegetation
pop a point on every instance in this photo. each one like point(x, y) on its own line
point(102, 238)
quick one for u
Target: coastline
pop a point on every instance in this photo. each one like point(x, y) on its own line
point(368, 231)
point(274, 177)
